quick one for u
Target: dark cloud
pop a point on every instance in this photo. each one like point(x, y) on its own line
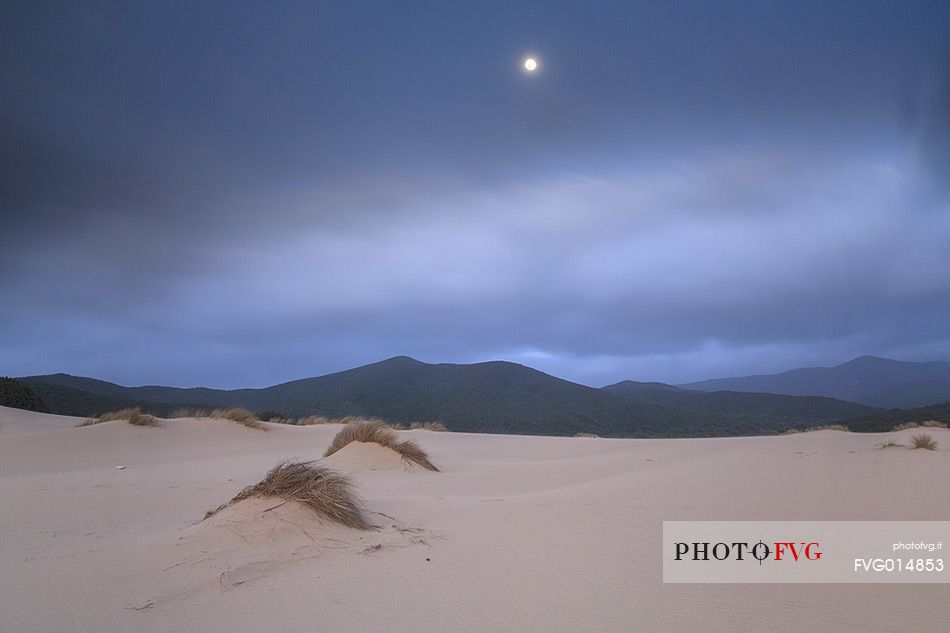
point(233, 195)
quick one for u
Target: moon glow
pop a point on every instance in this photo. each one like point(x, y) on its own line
point(531, 64)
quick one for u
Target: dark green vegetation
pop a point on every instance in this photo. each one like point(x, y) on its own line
point(878, 382)
point(16, 395)
point(65, 399)
point(770, 412)
point(494, 397)
point(887, 420)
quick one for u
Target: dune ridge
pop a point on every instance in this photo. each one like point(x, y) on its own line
point(517, 533)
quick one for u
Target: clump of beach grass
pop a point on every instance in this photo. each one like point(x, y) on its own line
point(241, 416)
point(428, 426)
point(325, 491)
point(905, 426)
point(375, 431)
point(827, 427)
point(348, 419)
point(189, 413)
point(890, 444)
point(275, 416)
point(130, 415)
point(322, 419)
point(925, 441)
point(315, 419)
point(120, 414)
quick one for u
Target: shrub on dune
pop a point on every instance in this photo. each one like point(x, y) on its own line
point(933, 424)
point(325, 491)
point(143, 419)
point(241, 416)
point(428, 426)
point(924, 440)
point(314, 419)
point(363, 431)
point(827, 427)
point(130, 415)
point(121, 414)
point(189, 413)
point(905, 426)
point(350, 419)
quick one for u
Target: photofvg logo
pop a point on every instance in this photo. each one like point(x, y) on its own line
point(804, 551)
point(760, 551)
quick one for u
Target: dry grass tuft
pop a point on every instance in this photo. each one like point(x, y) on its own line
point(350, 419)
point(827, 427)
point(121, 414)
point(142, 419)
point(324, 490)
point(241, 416)
point(189, 413)
point(924, 440)
point(428, 426)
point(905, 426)
point(315, 419)
point(375, 431)
point(586, 435)
point(890, 444)
point(132, 416)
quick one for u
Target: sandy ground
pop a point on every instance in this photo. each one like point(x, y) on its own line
point(516, 534)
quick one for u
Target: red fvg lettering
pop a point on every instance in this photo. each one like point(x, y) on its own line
point(809, 550)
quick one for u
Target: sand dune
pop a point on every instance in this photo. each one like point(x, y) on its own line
point(363, 456)
point(515, 534)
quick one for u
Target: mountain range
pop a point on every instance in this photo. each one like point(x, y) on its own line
point(504, 397)
point(876, 382)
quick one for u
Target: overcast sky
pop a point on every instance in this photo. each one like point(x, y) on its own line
point(232, 194)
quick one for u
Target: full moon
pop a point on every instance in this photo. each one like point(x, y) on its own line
point(531, 64)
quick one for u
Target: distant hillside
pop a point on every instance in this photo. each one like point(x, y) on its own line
point(19, 396)
point(493, 397)
point(887, 420)
point(767, 408)
point(65, 400)
point(873, 381)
